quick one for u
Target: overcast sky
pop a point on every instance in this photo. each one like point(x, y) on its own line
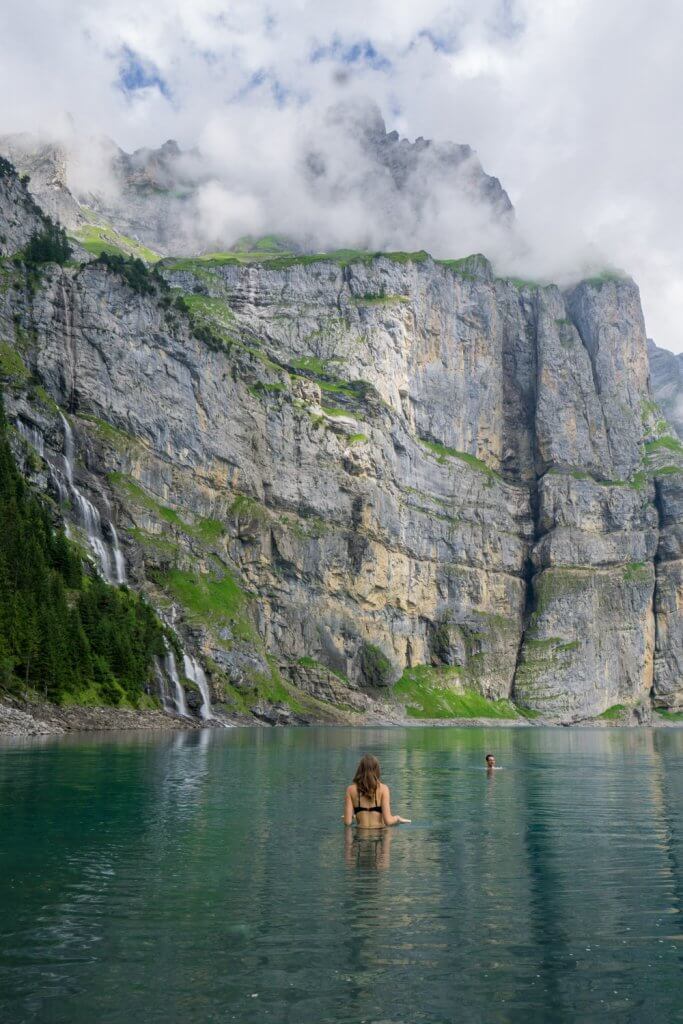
point(573, 104)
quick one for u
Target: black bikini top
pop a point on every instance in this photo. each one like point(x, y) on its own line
point(376, 808)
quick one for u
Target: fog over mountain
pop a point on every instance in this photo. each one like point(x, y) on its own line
point(349, 184)
point(570, 106)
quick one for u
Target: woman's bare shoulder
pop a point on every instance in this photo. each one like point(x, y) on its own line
point(383, 788)
point(351, 790)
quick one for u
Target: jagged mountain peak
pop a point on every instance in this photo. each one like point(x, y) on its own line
point(391, 186)
point(421, 164)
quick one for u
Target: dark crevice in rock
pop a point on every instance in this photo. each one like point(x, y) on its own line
point(591, 348)
point(659, 508)
point(529, 572)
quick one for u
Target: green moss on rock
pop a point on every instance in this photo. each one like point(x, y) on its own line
point(431, 692)
point(375, 666)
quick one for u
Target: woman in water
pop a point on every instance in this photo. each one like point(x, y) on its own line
point(368, 798)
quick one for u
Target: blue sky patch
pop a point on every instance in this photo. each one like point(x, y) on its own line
point(137, 73)
point(360, 52)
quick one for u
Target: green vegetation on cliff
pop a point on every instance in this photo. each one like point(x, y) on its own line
point(443, 452)
point(283, 261)
point(49, 245)
point(430, 692)
point(97, 239)
point(63, 635)
point(614, 713)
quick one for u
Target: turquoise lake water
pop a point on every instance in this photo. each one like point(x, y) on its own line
point(207, 877)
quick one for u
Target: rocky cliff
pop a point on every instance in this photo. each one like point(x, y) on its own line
point(666, 380)
point(350, 475)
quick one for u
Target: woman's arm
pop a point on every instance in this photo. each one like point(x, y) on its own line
point(387, 816)
point(348, 807)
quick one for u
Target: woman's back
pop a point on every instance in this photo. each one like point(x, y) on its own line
point(367, 799)
point(368, 810)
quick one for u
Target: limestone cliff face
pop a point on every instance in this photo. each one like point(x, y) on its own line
point(323, 468)
point(20, 218)
point(666, 379)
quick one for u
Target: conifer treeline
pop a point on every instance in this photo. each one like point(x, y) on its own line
point(63, 632)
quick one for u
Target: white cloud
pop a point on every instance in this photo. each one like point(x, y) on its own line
point(573, 105)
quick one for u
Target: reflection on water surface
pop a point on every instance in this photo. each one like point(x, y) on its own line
point(206, 876)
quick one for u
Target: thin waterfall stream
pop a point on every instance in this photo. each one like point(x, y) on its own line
point(179, 697)
point(195, 672)
point(112, 564)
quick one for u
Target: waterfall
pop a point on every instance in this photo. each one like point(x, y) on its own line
point(179, 699)
point(195, 672)
point(166, 701)
point(119, 560)
point(92, 524)
point(89, 517)
point(33, 436)
point(68, 449)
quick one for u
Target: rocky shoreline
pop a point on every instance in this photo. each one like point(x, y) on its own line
point(23, 720)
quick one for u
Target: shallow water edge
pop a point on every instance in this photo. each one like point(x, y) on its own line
point(23, 719)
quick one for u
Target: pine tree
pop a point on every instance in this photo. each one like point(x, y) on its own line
point(62, 632)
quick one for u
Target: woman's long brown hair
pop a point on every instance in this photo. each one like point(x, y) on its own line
point(368, 774)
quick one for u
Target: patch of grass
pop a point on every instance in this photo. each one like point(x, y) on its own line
point(357, 439)
point(284, 260)
point(118, 438)
point(97, 239)
point(137, 493)
point(606, 277)
point(471, 267)
point(12, 366)
point(206, 305)
point(527, 712)
point(668, 443)
point(375, 665)
point(337, 413)
point(263, 388)
point(307, 662)
point(156, 542)
point(521, 283)
point(615, 712)
point(638, 572)
point(426, 692)
point(262, 244)
point(336, 388)
point(344, 257)
point(312, 363)
point(212, 600)
point(209, 530)
point(638, 481)
point(551, 644)
point(379, 299)
point(672, 716)
point(89, 697)
point(443, 453)
point(246, 509)
point(41, 395)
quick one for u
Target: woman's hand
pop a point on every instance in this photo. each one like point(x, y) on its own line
point(401, 821)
